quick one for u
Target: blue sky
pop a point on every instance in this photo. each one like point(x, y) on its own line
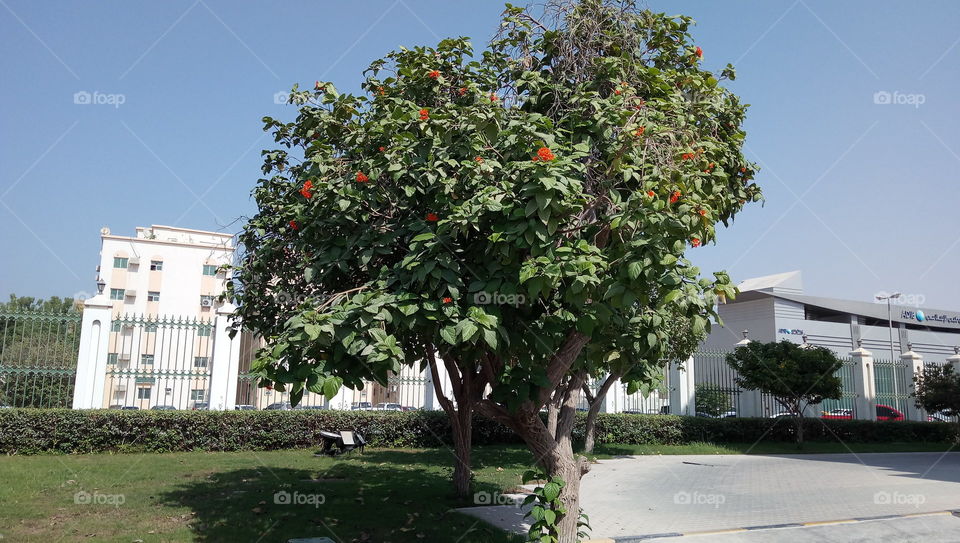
point(863, 197)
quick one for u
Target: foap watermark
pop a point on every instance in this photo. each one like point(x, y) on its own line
point(498, 298)
point(699, 498)
point(96, 498)
point(493, 498)
point(912, 300)
point(281, 97)
point(97, 98)
point(282, 497)
point(899, 498)
point(883, 98)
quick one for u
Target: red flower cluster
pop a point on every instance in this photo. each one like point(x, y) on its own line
point(462, 91)
point(743, 170)
point(361, 178)
point(702, 212)
point(710, 167)
point(544, 154)
point(695, 242)
point(317, 86)
point(640, 131)
point(699, 52)
point(479, 159)
point(617, 92)
point(424, 114)
point(307, 187)
point(674, 196)
point(447, 300)
point(293, 224)
point(688, 156)
point(381, 91)
point(382, 148)
point(432, 217)
point(433, 74)
point(494, 97)
point(651, 194)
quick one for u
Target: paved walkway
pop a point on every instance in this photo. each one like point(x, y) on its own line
point(647, 495)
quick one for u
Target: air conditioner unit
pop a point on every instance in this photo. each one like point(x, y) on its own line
point(130, 293)
point(133, 261)
point(206, 302)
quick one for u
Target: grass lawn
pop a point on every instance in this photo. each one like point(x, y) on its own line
point(383, 495)
point(380, 496)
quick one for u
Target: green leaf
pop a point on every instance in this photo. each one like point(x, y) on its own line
point(331, 386)
point(449, 334)
point(634, 269)
point(551, 491)
point(423, 237)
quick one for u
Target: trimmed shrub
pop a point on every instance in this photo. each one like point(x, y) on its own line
point(32, 431)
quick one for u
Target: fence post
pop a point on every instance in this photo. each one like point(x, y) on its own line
point(954, 359)
point(913, 361)
point(864, 384)
point(226, 362)
point(92, 354)
point(682, 398)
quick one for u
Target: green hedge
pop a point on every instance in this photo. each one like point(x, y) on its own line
point(31, 431)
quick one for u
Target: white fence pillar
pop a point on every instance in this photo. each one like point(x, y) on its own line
point(954, 360)
point(913, 361)
point(226, 362)
point(92, 354)
point(864, 384)
point(682, 398)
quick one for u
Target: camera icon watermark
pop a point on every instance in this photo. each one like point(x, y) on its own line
point(282, 497)
point(97, 98)
point(913, 300)
point(494, 498)
point(899, 498)
point(281, 97)
point(883, 98)
point(699, 498)
point(497, 298)
point(83, 497)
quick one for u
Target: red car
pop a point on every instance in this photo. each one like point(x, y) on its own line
point(884, 412)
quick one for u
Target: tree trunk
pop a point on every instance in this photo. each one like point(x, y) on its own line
point(595, 404)
point(461, 423)
point(800, 430)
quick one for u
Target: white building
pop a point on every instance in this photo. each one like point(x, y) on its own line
point(159, 309)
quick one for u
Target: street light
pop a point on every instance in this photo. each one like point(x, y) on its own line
point(895, 295)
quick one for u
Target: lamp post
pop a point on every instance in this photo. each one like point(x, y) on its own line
point(888, 298)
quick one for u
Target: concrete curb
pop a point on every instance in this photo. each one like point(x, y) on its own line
point(646, 537)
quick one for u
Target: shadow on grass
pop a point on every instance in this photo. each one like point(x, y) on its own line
point(379, 496)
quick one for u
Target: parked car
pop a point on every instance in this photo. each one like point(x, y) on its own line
point(278, 406)
point(201, 406)
point(408, 408)
point(130, 408)
point(244, 407)
point(5, 406)
point(163, 408)
point(361, 406)
point(309, 407)
point(783, 414)
point(884, 413)
point(388, 407)
point(938, 417)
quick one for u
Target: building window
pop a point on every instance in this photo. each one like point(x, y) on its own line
point(198, 394)
point(204, 331)
point(209, 269)
point(153, 296)
point(146, 359)
point(115, 327)
point(120, 262)
point(112, 358)
point(150, 328)
point(206, 301)
point(143, 393)
point(116, 294)
point(156, 265)
point(200, 361)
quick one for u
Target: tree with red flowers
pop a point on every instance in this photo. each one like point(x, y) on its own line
point(529, 179)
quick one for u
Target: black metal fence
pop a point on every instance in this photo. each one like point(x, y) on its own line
point(38, 358)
